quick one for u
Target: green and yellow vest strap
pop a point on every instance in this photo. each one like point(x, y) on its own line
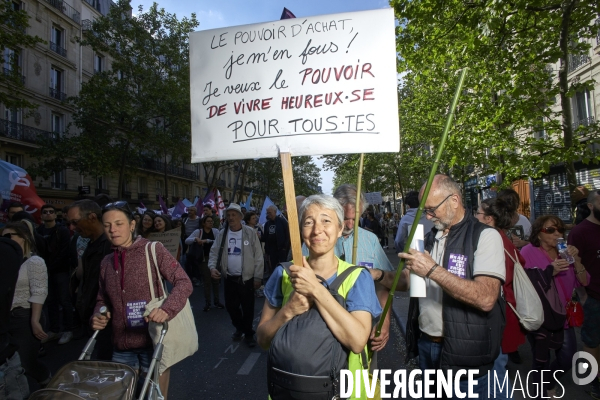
point(355, 361)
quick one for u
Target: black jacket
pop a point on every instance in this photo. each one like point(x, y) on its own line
point(471, 337)
point(91, 259)
point(12, 258)
point(58, 242)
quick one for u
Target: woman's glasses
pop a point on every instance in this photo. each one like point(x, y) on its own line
point(551, 229)
point(9, 235)
point(121, 205)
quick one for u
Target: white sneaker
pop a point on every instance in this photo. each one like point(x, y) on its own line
point(51, 336)
point(65, 337)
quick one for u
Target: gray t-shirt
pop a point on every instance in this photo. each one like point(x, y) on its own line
point(191, 225)
point(488, 260)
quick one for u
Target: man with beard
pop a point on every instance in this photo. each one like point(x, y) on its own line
point(369, 254)
point(459, 324)
point(586, 238)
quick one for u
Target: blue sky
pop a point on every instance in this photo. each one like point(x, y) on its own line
point(212, 14)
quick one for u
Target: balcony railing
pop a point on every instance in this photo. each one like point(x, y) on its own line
point(143, 196)
point(171, 170)
point(94, 3)
point(86, 25)
point(583, 122)
point(126, 195)
point(58, 49)
point(101, 191)
point(577, 61)
point(57, 94)
point(10, 72)
point(21, 132)
point(65, 9)
point(58, 185)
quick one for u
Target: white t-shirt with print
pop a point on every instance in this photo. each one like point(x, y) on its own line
point(234, 253)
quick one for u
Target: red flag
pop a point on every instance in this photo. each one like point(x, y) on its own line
point(17, 185)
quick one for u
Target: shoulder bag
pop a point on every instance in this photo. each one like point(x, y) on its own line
point(182, 339)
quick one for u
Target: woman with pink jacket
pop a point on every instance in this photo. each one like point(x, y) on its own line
point(124, 289)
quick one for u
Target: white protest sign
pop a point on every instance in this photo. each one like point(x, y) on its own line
point(374, 198)
point(170, 239)
point(318, 85)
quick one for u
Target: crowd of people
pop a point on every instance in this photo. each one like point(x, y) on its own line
point(64, 273)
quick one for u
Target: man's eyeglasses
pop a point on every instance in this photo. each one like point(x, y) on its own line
point(431, 211)
point(551, 229)
point(48, 212)
point(9, 235)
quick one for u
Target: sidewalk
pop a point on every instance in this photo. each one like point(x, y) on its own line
point(572, 391)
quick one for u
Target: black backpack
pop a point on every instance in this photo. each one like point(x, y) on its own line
point(305, 358)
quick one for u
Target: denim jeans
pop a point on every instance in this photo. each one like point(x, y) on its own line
point(503, 390)
point(138, 359)
point(13, 383)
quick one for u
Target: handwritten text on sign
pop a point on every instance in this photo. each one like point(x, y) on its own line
point(317, 85)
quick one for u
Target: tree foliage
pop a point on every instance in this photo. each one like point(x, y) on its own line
point(267, 176)
point(13, 36)
point(138, 109)
point(511, 91)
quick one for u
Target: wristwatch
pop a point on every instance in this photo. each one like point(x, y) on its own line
point(381, 276)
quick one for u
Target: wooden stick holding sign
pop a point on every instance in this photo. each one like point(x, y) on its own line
point(357, 213)
point(290, 200)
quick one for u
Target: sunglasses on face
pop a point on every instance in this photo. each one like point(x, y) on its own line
point(551, 229)
point(9, 235)
point(48, 212)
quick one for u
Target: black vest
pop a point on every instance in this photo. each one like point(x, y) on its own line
point(471, 337)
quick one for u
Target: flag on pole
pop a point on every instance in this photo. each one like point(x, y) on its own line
point(248, 200)
point(287, 14)
point(188, 203)
point(163, 206)
point(209, 200)
point(142, 208)
point(179, 210)
point(263, 214)
point(17, 185)
point(220, 205)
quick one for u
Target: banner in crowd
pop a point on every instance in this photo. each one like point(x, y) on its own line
point(17, 185)
point(170, 239)
point(319, 85)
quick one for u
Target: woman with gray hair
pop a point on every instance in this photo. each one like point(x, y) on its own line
point(306, 287)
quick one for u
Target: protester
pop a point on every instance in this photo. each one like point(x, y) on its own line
point(511, 197)
point(147, 225)
point(276, 238)
point(321, 219)
point(59, 274)
point(12, 377)
point(162, 223)
point(40, 242)
point(579, 197)
point(411, 202)
point(208, 211)
point(369, 254)
point(242, 268)
point(31, 290)
point(459, 324)
point(200, 242)
point(497, 214)
point(542, 253)
point(251, 220)
point(375, 227)
point(584, 236)
point(85, 216)
point(124, 282)
point(13, 208)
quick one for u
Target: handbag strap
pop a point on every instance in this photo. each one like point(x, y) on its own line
point(149, 270)
point(158, 274)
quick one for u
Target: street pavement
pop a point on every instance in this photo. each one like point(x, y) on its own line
point(224, 369)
